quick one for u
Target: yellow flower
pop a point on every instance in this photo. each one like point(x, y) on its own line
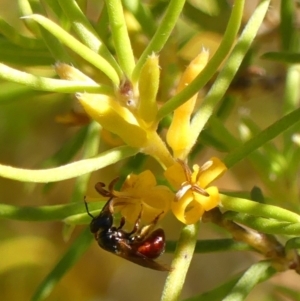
point(130, 112)
point(141, 192)
point(193, 197)
point(178, 135)
point(114, 117)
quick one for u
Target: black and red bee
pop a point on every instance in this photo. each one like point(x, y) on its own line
point(141, 245)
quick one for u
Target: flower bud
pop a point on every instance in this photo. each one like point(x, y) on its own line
point(113, 117)
point(148, 87)
point(178, 136)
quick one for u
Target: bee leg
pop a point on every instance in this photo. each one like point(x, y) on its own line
point(137, 223)
point(122, 223)
point(143, 232)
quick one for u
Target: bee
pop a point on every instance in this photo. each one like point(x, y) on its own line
point(141, 245)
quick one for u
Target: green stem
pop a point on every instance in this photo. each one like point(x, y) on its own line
point(287, 24)
point(11, 92)
point(257, 273)
point(212, 66)
point(226, 76)
point(142, 14)
point(220, 131)
point(16, 38)
point(79, 48)
point(291, 97)
point(258, 209)
point(218, 293)
point(293, 243)
point(49, 213)
point(263, 137)
point(90, 149)
point(70, 170)
point(57, 10)
point(49, 84)
point(156, 148)
point(86, 32)
point(161, 36)
point(83, 4)
point(181, 262)
point(43, 213)
point(55, 48)
point(68, 260)
point(264, 225)
point(212, 245)
point(120, 36)
point(26, 10)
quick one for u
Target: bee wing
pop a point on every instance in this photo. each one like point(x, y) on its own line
point(140, 259)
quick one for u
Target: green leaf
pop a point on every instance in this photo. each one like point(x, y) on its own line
point(234, 61)
point(285, 57)
point(211, 67)
point(142, 14)
point(218, 293)
point(289, 293)
point(258, 209)
point(120, 36)
point(79, 48)
point(86, 32)
point(14, 54)
point(77, 249)
point(70, 170)
point(207, 22)
point(90, 149)
point(181, 262)
point(257, 273)
point(68, 149)
point(14, 92)
point(161, 35)
point(50, 213)
point(264, 225)
point(293, 243)
point(287, 28)
point(51, 84)
point(212, 245)
point(14, 37)
point(263, 137)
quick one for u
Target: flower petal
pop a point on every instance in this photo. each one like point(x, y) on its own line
point(139, 184)
point(210, 171)
point(156, 201)
point(187, 210)
point(140, 193)
point(178, 135)
point(150, 212)
point(210, 202)
point(113, 117)
point(130, 208)
point(175, 175)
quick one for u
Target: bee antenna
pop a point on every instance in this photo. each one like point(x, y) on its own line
point(87, 208)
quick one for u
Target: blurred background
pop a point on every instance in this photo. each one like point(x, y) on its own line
point(30, 134)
